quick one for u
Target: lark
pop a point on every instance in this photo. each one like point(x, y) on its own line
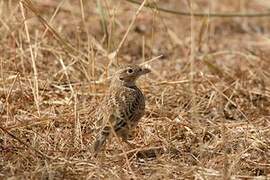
point(123, 106)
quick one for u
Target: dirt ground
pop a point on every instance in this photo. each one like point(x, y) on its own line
point(207, 98)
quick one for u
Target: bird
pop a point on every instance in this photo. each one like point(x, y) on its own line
point(122, 107)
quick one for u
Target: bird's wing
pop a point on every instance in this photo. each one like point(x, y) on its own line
point(127, 105)
point(120, 108)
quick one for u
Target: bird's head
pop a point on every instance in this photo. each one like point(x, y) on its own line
point(129, 74)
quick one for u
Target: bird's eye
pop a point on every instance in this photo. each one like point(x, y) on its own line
point(129, 71)
point(140, 69)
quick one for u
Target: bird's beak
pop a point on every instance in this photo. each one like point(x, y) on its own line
point(145, 70)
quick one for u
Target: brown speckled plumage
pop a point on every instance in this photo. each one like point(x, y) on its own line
point(123, 107)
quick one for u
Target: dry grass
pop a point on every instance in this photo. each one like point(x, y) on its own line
point(208, 98)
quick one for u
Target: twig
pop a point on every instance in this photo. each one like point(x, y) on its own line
point(23, 143)
point(219, 15)
point(33, 61)
point(68, 47)
point(114, 54)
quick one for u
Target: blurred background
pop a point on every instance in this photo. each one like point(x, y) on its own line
point(208, 96)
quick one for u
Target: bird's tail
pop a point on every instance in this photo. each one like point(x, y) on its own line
point(101, 139)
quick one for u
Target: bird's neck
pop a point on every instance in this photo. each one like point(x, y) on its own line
point(118, 83)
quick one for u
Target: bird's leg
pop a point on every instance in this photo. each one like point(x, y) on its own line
point(132, 146)
point(124, 134)
point(131, 134)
